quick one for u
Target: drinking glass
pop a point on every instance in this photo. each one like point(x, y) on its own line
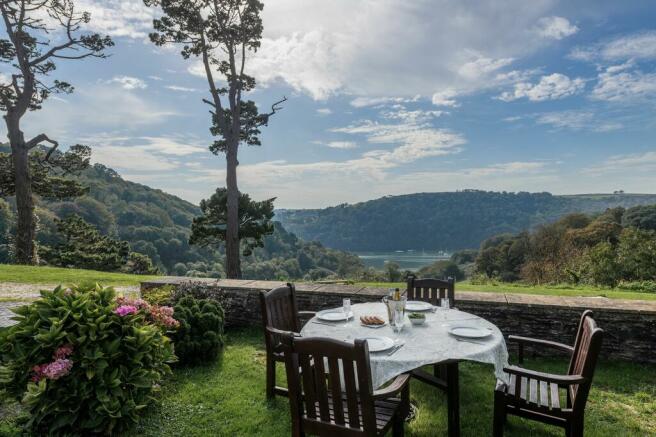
point(398, 319)
point(445, 303)
point(346, 308)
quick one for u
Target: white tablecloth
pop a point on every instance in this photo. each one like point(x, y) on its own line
point(423, 345)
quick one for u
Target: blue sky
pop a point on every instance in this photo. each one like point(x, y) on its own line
point(385, 97)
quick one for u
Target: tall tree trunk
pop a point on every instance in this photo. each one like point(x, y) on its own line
point(233, 263)
point(26, 227)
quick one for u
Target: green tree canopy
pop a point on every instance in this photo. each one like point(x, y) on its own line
point(254, 221)
point(52, 172)
point(84, 247)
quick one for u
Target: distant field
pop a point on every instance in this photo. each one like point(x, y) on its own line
point(56, 275)
point(550, 290)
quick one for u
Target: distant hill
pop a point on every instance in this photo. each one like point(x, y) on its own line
point(441, 221)
point(157, 224)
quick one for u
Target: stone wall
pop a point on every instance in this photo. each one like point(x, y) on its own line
point(629, 325)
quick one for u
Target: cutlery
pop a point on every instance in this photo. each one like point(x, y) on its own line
point(395, 349)
point(325, 323)
point(470, 341)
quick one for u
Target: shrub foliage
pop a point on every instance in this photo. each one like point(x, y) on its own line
point(200, 335)
point(79, 364)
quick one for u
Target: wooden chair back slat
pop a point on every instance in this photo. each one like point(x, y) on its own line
point(309, 387)
point(351, 394)
point(322, 391)
point(336, 388)
point(431, 290)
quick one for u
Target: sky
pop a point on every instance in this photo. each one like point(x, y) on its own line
point(385, 97)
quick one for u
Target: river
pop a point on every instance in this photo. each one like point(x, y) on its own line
point(407, 260)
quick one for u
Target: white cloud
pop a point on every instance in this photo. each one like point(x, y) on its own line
point(418, 116)
point(636, 46)
point(555, 27)
point(149, 154)
point(338, 144)
point(101, 107)
point(362, 102)
point(482, 66)
point(414, 141)
point(624, 83)
point(182, 89)
point(445, 98)
point(577, 120)
point(626, 164)
point(380, 48)
point(551, 87)
point(130, 158)
point(129, 82)
point(119, 18)
point(324, 111)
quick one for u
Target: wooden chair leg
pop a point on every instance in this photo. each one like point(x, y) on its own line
point(453, 399)
point(398, 425)
point(270, 377)
point(499, 415)
point(575, 428)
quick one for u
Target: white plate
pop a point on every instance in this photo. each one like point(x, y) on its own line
point(417, 305)
point(379, 344)
point(469, 332)
point(334, 315)
point(373, 326)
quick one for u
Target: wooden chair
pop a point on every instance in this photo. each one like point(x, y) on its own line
point(279, 311)
point(432, 290)
point(537, 395)
point(324, 398)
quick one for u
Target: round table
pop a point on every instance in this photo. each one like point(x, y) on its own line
point(430, 343)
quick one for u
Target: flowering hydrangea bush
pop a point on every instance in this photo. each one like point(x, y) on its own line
point(83, 363)
point(159, 315)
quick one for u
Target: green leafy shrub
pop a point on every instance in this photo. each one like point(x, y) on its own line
point(82, 364)
point(200, 335)
point(158, 295)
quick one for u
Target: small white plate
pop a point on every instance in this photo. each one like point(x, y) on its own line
point(469, 332)
point(373, 326)
point(333, 315)
point(379, 344)
point(417, 305)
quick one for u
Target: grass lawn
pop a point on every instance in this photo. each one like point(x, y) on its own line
point(227, 399)
point(58, 275)
point(550, 290)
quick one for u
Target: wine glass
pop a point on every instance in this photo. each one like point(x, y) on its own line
point(346, 308)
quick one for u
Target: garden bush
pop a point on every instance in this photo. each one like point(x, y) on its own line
point(158, 295)
point(83, 362)
point(200, 335)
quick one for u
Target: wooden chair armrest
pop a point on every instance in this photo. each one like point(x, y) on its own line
point(399, 383)
point(561, 380)
point(521, 341)
point(537, 341)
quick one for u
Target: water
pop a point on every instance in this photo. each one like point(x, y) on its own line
point(407, 260)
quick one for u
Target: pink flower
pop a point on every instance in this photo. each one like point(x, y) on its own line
point(63, 351)
point(57, 369)
point(124, 310)
point(163, 315)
